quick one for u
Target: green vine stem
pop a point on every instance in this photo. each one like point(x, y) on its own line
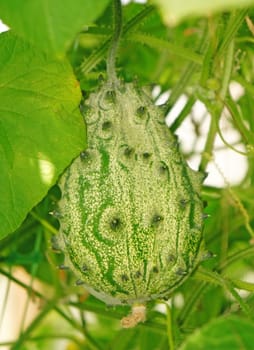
point(214, 278)
point(89, 63)
point(216, 108)
point(33, 273)
point(190, 302)
point(163, 44)
point(111, 61)
point(239, 255)
point(234, 23)
point(194, 297)
point(183, 114)
point(243, 285)
point(206, 154)
point(190, 69)
point(44, 223)
point(170, 328)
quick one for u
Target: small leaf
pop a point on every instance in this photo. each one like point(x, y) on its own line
point(173, 11)
point(41, 128)
point(50, 24)
point(232, 333)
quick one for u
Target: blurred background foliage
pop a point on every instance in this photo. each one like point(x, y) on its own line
point(198, 58)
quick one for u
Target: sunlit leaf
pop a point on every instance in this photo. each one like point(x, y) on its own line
point(51, 24)
point(41, 128)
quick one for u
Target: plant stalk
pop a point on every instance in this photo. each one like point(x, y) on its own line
point(111, 61)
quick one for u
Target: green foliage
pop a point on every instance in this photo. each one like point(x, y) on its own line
point(39, 117)
point(52, 56)
point(50, 25)
point(224, 333)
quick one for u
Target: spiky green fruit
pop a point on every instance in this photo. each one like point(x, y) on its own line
point(131, 212)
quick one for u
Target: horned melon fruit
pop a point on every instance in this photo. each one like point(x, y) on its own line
point(131, 213)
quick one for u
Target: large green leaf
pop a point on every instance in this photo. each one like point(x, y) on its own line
point(50, 24)
point(232, 333)
point(173, 11)
point(41, 128)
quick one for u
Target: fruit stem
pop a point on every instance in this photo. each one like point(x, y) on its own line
point(138, 314)
point(117, 18)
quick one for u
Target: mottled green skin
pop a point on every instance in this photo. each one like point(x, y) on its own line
point(131, 225)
